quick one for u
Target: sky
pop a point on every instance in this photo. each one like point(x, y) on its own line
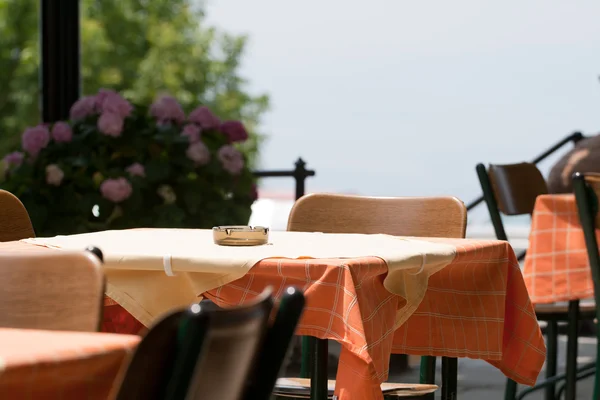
point(404, 98)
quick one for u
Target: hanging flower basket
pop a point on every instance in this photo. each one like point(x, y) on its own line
point(116, 165)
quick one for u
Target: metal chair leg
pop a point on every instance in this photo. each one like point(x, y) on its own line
point(510, 392)
point(551, 357)
point(449, 378)
point(427, 374)
point(582, 374)
point(572, 332)
point(306, 357)
point(318, 379)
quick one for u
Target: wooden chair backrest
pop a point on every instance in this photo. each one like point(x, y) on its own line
point(54, 290)
point(398, 216)
point(516, 186)
point(14, 219)
point(593, 181)
point(198, 353)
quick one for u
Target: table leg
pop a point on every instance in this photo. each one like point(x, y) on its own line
point(318, 379)
point(306, 357)
point(510, 392)
point(552, 335)
point(449, 378)
point(428, 373)
point(428, 370)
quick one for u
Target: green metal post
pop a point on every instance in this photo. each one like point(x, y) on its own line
point(552, 335)
point(449, 375)
point(572, 332)
point(318, 380)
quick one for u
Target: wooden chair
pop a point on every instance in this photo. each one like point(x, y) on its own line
point(511, 190)
point(54, 290)
point(14, 219)
point(587, 193)
point(402, 216)
point(148, 372)
point(276, 346)
point(206, 352)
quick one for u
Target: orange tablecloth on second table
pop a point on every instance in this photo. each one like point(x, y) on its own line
point(556, 265)
point(475, 307)
point(38, 364)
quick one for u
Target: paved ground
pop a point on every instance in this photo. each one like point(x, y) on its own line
point(478, 380)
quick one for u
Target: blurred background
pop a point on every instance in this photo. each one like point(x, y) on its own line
point(392, 98)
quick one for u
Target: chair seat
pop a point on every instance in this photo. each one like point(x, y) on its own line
point(300, 388)
point(586, 308)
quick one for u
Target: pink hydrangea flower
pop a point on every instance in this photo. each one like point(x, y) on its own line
point(205, 118)
point(166, 108)
point(110, 124)
point(54, 175)
point(83, 107)
point(136, 169)
point(35, 139)
point(235, 131)
point(198, 153)
point(192, 131)
point(14, 159)
point(109, 101)
point(231, 159)
point(116, 190)
point(61, 132)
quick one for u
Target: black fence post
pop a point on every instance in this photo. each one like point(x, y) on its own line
point(60, 72)
point(299, 173)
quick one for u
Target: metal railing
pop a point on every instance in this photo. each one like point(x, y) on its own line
point(574, 137)
point(300, 173)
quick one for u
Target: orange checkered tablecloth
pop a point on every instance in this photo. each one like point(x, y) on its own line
point(476, 307)
point(556, 264)
point(37, 364)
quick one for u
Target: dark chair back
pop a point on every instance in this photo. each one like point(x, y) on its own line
point(587, 193)
point(220, 366)
point(276, 346)
point(510, 189)
point(149, 370)
point(206, 352)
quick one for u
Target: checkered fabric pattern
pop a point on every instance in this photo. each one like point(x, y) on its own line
point(476, 307)
point(556, 265)
point(49, 365)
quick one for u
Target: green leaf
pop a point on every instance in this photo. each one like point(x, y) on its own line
point(157, 171)
point(181, 55)
point(192, 199)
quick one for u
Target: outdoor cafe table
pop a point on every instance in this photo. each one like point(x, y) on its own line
point(556, 264)
point(440, 297)
point(36, 364)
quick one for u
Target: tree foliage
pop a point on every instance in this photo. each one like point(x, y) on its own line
point(140, 48)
